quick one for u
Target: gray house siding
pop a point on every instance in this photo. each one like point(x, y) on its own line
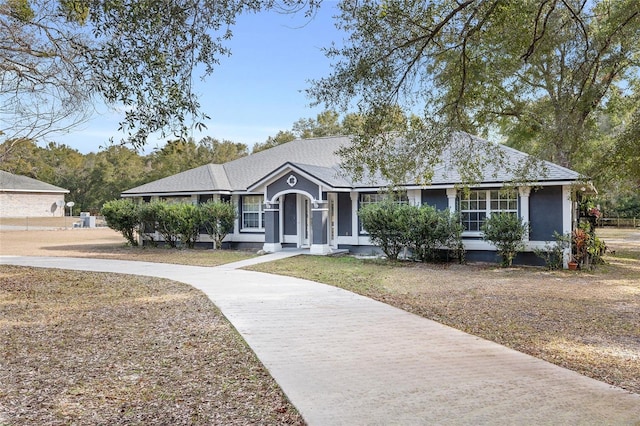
point(319, 223)
point(436, 198)
point(344, 214)
point(545, 213)
point(271, 227)
point(302, 184)
point(490, 256)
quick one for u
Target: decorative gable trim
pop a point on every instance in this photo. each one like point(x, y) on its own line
point(291, 170)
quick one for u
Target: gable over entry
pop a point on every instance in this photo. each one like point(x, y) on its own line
point(296, 211)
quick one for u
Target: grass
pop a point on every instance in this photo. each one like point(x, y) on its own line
point(585, 321)
point(88, 348)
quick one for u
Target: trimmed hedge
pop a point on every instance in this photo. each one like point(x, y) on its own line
point(424, 230)
point(179, 224)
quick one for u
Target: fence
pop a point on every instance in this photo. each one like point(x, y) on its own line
point(619, 222)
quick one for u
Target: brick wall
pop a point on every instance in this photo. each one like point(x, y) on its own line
point(16, 204)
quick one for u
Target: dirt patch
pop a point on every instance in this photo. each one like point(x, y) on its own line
point(74, 242)
point(106, 244)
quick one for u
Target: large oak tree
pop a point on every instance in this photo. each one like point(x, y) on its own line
point(538, 73)
point(60, 57)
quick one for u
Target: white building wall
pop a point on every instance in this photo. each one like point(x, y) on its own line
point(21, 204)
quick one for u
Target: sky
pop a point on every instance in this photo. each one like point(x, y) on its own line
point(254, 93)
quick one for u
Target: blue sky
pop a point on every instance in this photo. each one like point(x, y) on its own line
point(255, 92)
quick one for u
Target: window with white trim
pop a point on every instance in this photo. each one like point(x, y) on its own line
point(476, 205)
point(371, 199)
point(252, 212)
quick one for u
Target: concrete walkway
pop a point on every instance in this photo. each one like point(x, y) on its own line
point(344, 359)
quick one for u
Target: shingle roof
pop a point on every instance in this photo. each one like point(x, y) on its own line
point(17, 183)
point(205, 178)
point(318, 158)
point(245, 171)
point(504, 163)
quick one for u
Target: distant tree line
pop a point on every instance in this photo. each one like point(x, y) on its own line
point(95, 178)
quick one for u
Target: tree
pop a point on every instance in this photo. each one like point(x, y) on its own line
point(278, 139)
point(219, 152)
point(46, 81)
point(22, 157)
point(138, 56)
point(539, 72)
point(175, 156)
point(110, 172)
point(326, 123)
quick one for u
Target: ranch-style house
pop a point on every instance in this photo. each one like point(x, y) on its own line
point(295, 195)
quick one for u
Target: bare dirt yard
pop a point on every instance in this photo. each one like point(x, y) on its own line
point(104, 243)
point(88, 348)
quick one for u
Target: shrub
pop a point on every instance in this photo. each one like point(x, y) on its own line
point(159, 216)
point(433, 229)
point(454, 235)
point(587, 248)
point(184, 221)
point(217, 218)
point(147, 217)
point(505, 231)
point(122, 216)
point(388, 224)
point(553, 253)
point(425, 230)
point(181, 222)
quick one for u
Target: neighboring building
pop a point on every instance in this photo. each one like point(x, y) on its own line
point(22, 196)
point(295, 195)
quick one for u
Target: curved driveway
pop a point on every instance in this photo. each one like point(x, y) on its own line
point(344, 359)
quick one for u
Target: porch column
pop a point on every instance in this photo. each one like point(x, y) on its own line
point(319, 224)
point(355, 228)
point(567, 220)
point(272, 228)
point(524, 192)
point(451, 199)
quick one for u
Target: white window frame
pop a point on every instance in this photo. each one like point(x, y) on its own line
point(249, 209)
point(482, 203)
